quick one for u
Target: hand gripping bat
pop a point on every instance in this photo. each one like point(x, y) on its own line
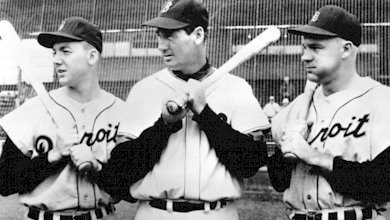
point(300, 113)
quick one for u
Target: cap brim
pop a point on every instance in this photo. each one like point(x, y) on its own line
point(49, 39)
point(165, 23)
point(310, 30)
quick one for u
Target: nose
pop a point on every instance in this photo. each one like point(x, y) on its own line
point(306, 55)
point(163, 44)
point(57, 59)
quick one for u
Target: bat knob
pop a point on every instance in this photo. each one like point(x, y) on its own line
point(85, 167)
point(173, 107)
point(290, 156)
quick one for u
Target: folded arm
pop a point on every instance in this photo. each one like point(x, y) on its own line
point(240, 153)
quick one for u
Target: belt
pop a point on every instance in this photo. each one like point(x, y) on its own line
point(348, 215)
point(186, 206)
point(99, 212)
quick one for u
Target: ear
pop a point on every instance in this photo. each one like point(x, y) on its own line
point(347, 49)
point(93, 56)
point(199, 35)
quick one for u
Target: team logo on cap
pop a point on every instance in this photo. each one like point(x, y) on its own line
point(315, 16)
point(62, 25)
point(167, 6)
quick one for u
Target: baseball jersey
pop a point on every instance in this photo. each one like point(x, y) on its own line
point(98, 123)
point(188, 167)
point(271, 109)
point(353, 124)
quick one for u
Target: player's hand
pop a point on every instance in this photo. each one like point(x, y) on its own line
point(299, 127)
point(179, 99)
point(196, 96)
point(82, 154)
point(294, 143)
point(66, 138)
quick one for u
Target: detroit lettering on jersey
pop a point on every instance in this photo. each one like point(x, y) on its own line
point(353, 128)
point(43, 143)
point(102, 134)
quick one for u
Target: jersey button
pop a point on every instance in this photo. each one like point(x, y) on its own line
point(82, 110)
point(83, 127)
point(308, 197)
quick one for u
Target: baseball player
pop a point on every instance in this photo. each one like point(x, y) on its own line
point(341, 170)
point(199, 174)
point(271, 108)
point(41, 159)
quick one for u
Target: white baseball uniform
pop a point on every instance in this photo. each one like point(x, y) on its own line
point(189, 168)
point(98, 124)
point(352, 124)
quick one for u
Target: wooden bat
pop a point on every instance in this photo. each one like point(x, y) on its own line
point(12, 40)
point(256, 45)
point(301, 114)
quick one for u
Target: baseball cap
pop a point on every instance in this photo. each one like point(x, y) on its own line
point(178, 14)
point(73, 29)
point(332, 21)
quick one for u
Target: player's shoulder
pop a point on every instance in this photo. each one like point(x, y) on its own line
point(375, 90)
point(163, 73)
point(234, 82)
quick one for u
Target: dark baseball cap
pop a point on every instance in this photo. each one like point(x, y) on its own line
point(178, 14)
point(73, 29)
point(332, 21)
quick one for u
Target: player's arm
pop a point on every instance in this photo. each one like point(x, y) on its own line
point(131, 160)
point(279, 170)
point(369, 180)
point(240, 153)
point(20, 173)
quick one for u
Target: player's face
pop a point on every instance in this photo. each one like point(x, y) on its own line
point(321, 58)
point(70, 61)
point(177, 48)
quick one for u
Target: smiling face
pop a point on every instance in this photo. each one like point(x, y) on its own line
point(70, 61)
point(180, 50)
point(322, 58)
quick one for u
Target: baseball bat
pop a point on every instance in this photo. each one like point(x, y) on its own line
point(259, 43)
point(301, 113)
point(12, 40)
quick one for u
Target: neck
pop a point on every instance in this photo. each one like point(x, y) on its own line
point(343, 82)
point(84, 92)
point(199, 72)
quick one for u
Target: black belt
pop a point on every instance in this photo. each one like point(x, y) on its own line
point(348, 215)
point(185, 206)
point(34, 214)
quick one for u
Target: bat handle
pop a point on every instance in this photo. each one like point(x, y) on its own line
point(85, 167)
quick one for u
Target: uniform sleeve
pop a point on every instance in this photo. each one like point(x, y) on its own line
point(380, 126)
point(19, 173)
point(248, 115)
point(279, 171)
point(132, 160)
point(142, 107)
point(368, 181)
point(20, 124)
point(241, 155)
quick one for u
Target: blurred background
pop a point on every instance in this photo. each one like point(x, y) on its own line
point(130, 54)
